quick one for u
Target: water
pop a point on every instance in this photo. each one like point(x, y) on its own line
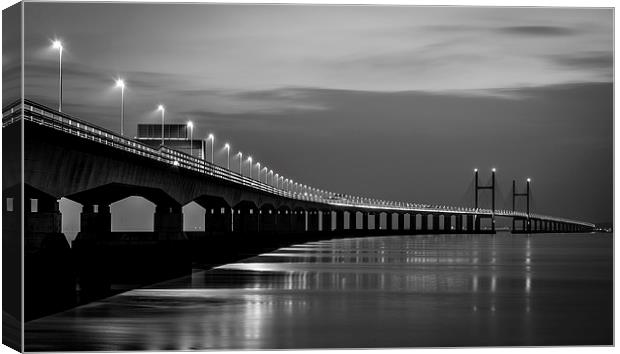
point(401, 291)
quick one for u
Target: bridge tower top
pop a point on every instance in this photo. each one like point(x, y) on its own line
point(491, 187)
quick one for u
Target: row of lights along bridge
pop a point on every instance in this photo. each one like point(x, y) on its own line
point(271, 178)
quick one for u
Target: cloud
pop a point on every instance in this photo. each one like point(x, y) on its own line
point(586, 60)
point(537, 30)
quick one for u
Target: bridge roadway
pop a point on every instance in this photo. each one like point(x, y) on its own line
point(68, 157)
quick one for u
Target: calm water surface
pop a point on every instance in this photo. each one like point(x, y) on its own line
point(401, 291)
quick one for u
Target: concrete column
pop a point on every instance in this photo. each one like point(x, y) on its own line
point(95, 221)
point(299, 221)
point(352, 220)
point(313, 221)
point(218, 219)
point(400, 220)
point(424, 226)
point(340, 220)
point(365, 221)
point(168, 222)
point(268, 220)
point(284, 221)
point(327, 221)
point(435, 222)
point(528, 224)
point(447, 223)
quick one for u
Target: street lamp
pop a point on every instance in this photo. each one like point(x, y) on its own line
point(250, 161)
point(271, 180)
point(190, 125)
point(58, 45)
point(266, 173)
point(240, 154)
point(212, 138)
point(227, 147)
point(258, 168)
point(277, 180)
point(162, 109)
point(120, 83)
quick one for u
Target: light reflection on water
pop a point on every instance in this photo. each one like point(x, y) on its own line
point(443, 290)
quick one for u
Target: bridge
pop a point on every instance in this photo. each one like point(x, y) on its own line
point(68, 157)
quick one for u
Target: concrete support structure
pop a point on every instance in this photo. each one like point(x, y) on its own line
point(352, 220)
point(400, 220)
point(447, 223)
point(168, 222)
point(424, 223)
point(327, 221)
point(436, 223)
point(218, 219)
point(469, 221)
point(365, 221)
point(313, 221)
point(340, 221)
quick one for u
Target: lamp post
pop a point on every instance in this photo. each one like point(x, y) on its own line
point(120, 83)
point(212, 138)
point(277, 180)
point(190, 125)
point(271, 180)
point(258, 168)
point(250, 161)
point(163, 110)
point(227, 147)
point(58, 45)
point(240, 154)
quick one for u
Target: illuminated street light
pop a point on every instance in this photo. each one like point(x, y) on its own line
point(212, 138)
point(240, 154)
point(227, 147)
point(250, 161)
point(190, 125)
point(162, 109)
point(58, 45)
point(120, 83)
point(258, 168)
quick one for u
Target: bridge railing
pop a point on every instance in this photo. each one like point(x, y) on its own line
point(46, 116)
point(42, 115)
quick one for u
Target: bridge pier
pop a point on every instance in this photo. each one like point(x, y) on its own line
point(447, 223)
point(400, 220)
point(218, 219)
point(283, 221)
point(327, 221)
point(49, 279)
point(413, 222)
point(168, 222)
point(352, 220)
point(313, 221)
point(459, 223)
point(469, 221)
point(389, 222)
point(299, 221)
point(366, 221)
point(268, 220)
point(436, 228)
point(424, 223)
point(340, 221)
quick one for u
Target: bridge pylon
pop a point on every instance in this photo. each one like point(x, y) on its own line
point(528, 225)
point(492, 188)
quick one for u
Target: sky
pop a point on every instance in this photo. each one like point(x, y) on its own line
point(391, 102)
